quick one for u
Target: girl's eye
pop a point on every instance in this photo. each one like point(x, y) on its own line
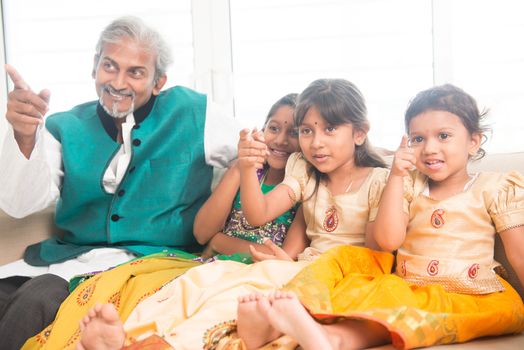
point(305, 131)
point(273, 128)
point(443, 136)
point(331, 128)
point(416, 139)
point(293, 132)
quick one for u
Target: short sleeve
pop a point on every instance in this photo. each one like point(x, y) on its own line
point(297, 175)
point(507, 208)
point(378, 182)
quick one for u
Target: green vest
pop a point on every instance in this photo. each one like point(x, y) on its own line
point(165, 183)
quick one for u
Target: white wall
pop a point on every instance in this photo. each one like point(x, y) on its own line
point(259, 50)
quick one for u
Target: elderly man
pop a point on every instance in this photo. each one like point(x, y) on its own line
point(129, 170)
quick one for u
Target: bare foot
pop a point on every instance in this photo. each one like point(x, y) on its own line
point(252, 327)
point(287, 315)
point(101, 329)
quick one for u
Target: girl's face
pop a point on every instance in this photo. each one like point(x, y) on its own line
point(281, 137)
point(328, 148)
point(442, 145)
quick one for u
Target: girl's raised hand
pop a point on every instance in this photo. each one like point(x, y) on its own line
point(277, 252)
point(404, 159)
point(252, 151)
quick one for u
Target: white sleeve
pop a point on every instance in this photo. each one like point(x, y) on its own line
point(220, 136)
point(30, 185)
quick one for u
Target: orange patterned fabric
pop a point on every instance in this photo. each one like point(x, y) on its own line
point(124, 286)
point(353, 282)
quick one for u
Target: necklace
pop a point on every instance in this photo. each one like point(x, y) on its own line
point(349, 187)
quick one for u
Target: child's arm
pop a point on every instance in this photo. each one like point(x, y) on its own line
point(295, 242)
point(513, 240)
point(212, 216)
point(257, 207)
point(370, 239)
point(389, 230)
point(224, 244)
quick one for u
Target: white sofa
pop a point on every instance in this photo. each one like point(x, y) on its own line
point(15, 235)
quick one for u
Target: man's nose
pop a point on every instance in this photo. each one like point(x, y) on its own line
point(119, 81)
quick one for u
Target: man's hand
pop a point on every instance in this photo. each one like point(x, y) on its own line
point(252, 151)
point(404, 159)
point(277, 252)
point(25, 110)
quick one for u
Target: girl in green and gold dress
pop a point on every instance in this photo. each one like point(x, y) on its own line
point(220, 222)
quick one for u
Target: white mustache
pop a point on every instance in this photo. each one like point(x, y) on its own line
point(124, 93)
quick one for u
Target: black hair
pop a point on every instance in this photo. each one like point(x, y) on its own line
point(288, 100)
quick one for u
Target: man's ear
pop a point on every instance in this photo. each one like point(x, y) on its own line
point(159, 84)
point(95, 65)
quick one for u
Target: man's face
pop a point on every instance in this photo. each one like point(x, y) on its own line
point(124, 77)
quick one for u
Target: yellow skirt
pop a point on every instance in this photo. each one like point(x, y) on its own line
point(125, 286)
point(352, 282)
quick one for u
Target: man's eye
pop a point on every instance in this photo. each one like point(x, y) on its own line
point(137, 73)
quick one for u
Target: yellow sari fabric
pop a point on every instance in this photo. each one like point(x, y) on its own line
point(353, 282)
point(125, 286)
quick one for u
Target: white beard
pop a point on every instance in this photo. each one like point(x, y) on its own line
point(114, 111)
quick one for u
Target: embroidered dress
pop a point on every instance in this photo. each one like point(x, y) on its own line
point(445, 289)
point(353, 210)
point(275, 230)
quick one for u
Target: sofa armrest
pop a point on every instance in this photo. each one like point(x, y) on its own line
point(17, 234)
